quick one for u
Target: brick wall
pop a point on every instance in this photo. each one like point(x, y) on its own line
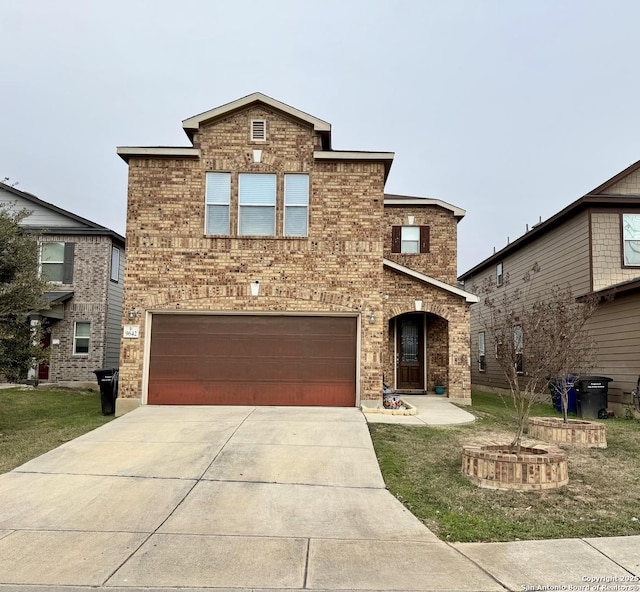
point(92, 258)
point(172, 265)
point(447, 343)
point(441, 261)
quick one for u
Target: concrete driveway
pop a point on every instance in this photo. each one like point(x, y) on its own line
point(199, 498)
point(227, 497)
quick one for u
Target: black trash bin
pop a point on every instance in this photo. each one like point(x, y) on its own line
point(108, 381)
point(592, 394)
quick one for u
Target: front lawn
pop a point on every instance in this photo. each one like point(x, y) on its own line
point(33, 422)
point(421, 467)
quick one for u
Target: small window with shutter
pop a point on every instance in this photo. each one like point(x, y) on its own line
point(258, 130)
point(410, 239)
point(56, 262)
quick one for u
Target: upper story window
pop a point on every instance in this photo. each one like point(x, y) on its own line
point(263, 209)
point(257, 204)
point(56, 262)
point(217, 200)
point(499, 275)
point(410, 239)
point(258, 130)
point(115, 264)
point(631, 239)
point(296, 205)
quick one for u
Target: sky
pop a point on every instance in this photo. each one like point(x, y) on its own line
point(509, 109)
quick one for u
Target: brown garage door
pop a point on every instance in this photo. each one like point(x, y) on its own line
point(252, 360)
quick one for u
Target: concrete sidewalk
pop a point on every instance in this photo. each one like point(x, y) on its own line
point(196, 498)
point(433, 410)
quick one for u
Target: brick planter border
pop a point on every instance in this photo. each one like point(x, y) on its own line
point(493, 466)
point(577, 432)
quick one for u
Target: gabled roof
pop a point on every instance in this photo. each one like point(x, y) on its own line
point(87, 226)
point(192, 124)
point(601, 189)
point(596, 198)
point(409, 200)
point(429, 280)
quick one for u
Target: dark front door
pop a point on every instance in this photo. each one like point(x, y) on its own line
point(43, 369)
point(410, 351)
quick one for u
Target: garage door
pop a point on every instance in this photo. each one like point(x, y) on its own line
point(252, 360)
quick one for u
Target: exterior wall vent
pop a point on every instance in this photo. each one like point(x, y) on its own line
point(258, 130)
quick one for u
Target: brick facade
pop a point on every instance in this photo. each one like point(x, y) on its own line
point(91, 269)
point(441, 261)
point(173, 266)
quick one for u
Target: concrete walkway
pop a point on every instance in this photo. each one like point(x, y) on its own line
point(202, 498)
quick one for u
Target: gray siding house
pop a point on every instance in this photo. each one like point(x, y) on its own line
point(84, 263)
point(593, 246)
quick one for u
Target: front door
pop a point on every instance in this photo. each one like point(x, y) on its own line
point(43, 368)
point(410, 351)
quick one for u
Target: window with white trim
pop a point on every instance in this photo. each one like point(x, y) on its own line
point(410, 239)
point(217, 203)
point(257, 204)
point(81, 337)
point(631, 239)
point(499, 275)
point(258, 130)
point(115, 264)
point(482, 360)
point(296, 205)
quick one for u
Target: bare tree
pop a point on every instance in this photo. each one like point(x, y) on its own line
point(540, 335)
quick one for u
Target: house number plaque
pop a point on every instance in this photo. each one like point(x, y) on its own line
point(131, 331)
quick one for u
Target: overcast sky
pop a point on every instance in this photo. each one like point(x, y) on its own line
point(510, 109)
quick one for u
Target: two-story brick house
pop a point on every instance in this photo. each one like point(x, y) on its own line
point(84, 263)
point(593, 246)
point(264, 267)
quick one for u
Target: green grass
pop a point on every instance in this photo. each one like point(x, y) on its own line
point(33, 422)
point(421, 467)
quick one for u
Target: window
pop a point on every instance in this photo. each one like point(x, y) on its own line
point(499, 276)
point(115, 264)
point(518, 348)
point(631, 239)
point(257, 199)
point(218, 195)
point(81, 333)
point(410, 239)
point(296, 205)
point(56, 262)
point(482, 361)
point(259, 130)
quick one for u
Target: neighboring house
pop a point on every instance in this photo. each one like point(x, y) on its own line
point(84, 263)
point(593, 246)
point(264, 267)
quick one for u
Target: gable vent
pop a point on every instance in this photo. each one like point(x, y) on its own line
point(259, 129)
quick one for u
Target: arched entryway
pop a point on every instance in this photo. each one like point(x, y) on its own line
point(417, 352)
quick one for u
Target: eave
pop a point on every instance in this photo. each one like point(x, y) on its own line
point(127, 152)
point(192, 124)
point(407, 200)
point(357, 156)
point(470, 298)
point(539, 230)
